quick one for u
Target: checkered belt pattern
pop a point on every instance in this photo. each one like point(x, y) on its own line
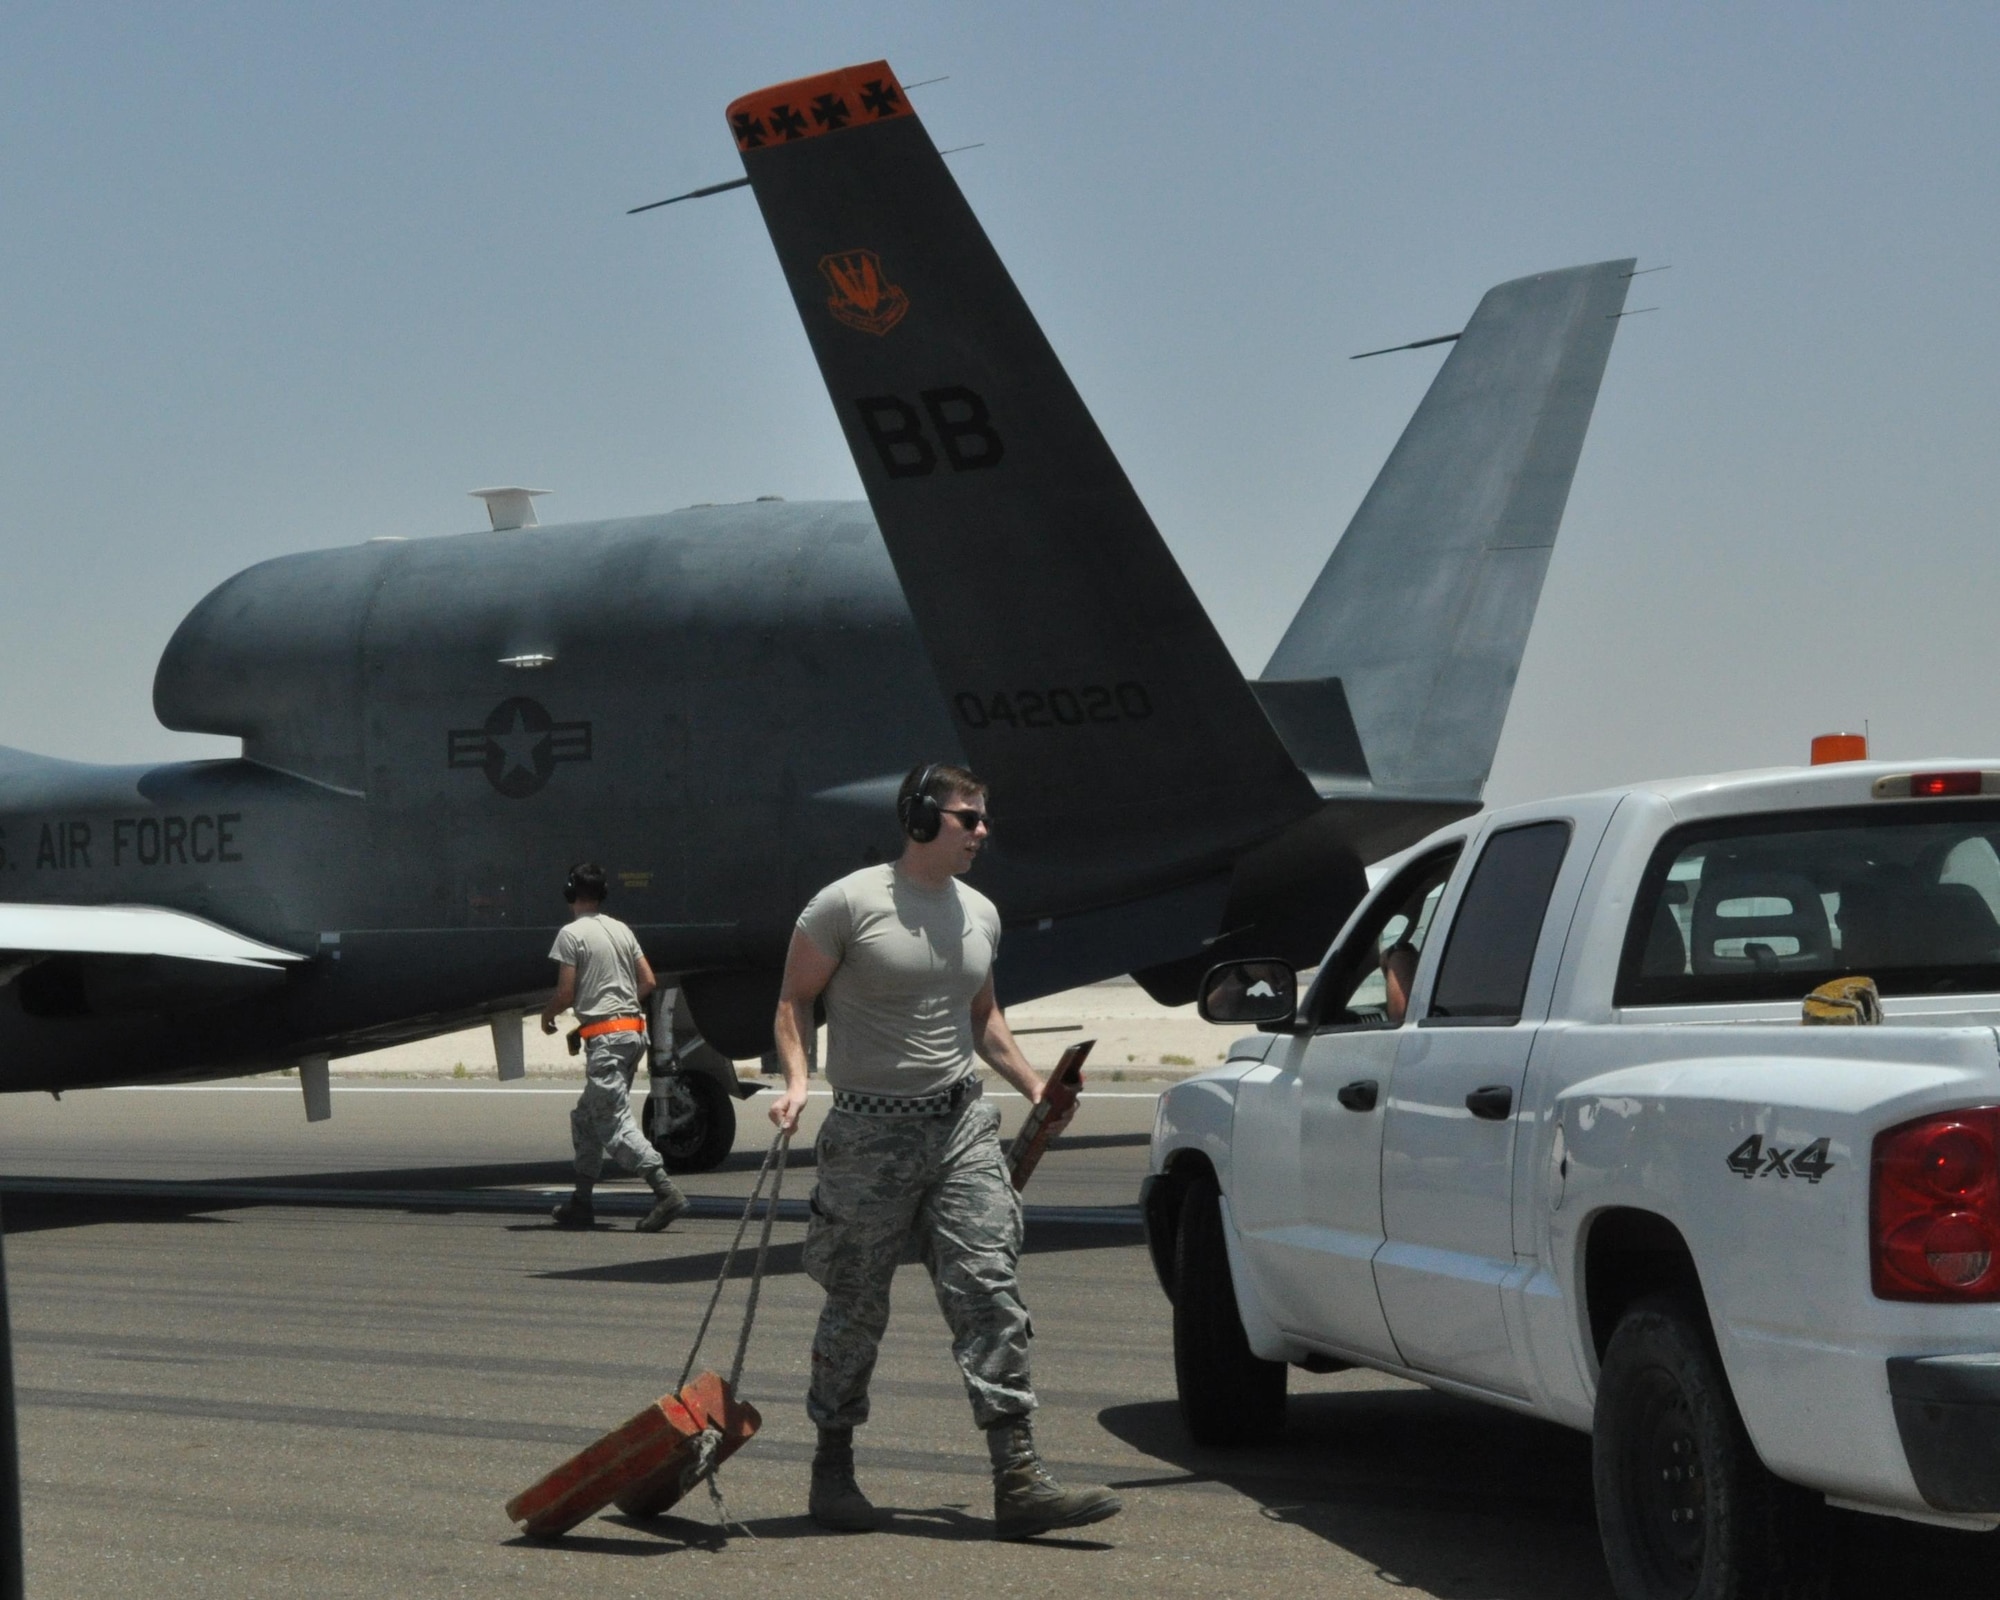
point(941, 1104)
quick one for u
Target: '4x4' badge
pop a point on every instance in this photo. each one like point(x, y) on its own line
point(1751, 1160)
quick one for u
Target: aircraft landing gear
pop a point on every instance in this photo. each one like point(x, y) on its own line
point(691, 1121)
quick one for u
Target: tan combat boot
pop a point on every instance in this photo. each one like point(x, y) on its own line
point(668, 1203)
point(1026, 1500)
point(837, 1501)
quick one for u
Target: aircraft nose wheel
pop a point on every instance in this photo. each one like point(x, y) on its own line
point(692, 1122)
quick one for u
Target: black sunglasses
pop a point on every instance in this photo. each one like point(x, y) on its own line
point(968, 819)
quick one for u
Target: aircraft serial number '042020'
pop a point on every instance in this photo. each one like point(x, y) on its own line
point(1056, 708)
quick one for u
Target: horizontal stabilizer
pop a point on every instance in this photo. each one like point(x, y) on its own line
point(1072, 654)
point(1312, 718)
point(1423, 610)
point(128, 931)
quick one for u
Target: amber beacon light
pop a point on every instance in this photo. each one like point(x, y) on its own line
point(1829, 747)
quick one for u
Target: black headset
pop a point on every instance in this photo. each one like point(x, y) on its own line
point(585, 882)
point(920, 814)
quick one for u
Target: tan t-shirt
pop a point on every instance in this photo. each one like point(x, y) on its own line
point(899, 1008)
point(606, 958)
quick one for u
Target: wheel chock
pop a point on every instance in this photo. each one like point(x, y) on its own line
point(708, 1400)
point(645, 1465)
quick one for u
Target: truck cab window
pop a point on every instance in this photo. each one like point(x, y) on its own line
point(1770, 908)
point(1352, 990)
point(1491, 943)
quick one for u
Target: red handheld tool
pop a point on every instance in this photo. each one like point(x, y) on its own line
point(1064, 1085)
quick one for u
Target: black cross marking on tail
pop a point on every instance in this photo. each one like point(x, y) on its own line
point(880, 98)
point(791, 124)
point(830, 111)
point(749, 131)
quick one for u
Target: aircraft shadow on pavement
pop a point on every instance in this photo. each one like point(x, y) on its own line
point(1100, 1141)
point(749, 1160)
point(1468, 1502)
point(1044, 1238)
point(472, 1175)
point(37, 1213)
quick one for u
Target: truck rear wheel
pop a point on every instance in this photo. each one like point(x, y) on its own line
point(1685, 1508)
point(1228, 1395)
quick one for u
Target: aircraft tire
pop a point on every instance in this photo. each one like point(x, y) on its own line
point(701, 1128)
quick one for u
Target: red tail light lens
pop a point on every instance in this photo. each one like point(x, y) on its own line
point(1935, 1208)
point(1938, 785)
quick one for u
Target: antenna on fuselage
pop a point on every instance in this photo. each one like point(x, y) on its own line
point(509, 508)
point(1415, 344)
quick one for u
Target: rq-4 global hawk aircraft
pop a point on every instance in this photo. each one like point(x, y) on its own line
point(718, 703)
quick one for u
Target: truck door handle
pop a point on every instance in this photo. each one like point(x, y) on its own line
point(1491, 1103)
point(1358, 1096)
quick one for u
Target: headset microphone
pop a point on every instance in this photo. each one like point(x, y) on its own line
point(920, 814)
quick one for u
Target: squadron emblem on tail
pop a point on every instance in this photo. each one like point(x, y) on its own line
point(863, 297)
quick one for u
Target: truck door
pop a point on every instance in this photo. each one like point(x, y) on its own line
point(1448, 1133)
point(1345, 1068)
point(1306, 1191)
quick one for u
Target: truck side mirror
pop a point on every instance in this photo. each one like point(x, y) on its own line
point(1261, 991)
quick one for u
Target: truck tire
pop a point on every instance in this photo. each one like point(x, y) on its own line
point(700, 1123)
point(1685, 1509)
point(1228, 1395)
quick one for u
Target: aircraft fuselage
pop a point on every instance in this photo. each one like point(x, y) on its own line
point(715, 704)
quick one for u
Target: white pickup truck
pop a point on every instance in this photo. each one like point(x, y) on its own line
point(1587, 1163)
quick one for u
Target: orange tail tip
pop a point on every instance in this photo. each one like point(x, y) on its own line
point(805, 108)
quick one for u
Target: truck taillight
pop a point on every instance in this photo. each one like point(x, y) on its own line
point(1935, 1208)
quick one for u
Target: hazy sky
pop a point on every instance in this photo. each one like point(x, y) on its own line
point(273, 278)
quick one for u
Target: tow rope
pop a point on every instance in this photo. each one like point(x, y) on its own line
point(705, 1464)
point(647, 1464)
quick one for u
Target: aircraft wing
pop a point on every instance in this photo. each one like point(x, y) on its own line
point(46, 930)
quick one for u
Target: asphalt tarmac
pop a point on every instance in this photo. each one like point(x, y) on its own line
point(334, 1395)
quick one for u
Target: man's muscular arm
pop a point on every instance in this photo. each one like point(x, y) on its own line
point(808, 970)
point(994, 1041)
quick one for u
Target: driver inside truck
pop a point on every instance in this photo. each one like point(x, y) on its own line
point(1399, 971)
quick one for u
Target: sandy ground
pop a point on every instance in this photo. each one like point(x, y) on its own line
point(1137, 1040)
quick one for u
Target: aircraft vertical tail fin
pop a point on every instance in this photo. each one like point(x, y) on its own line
point(1068, 645)
point(1422, 612)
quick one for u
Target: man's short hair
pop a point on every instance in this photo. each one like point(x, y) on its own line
point(586, 882)
point(944, 782)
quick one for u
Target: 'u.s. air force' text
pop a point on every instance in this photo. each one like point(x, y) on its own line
point(172, 841)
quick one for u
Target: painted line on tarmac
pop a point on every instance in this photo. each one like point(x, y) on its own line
point(518, 1202)
point(487, 1089)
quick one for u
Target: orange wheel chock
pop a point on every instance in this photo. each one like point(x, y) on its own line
point(642, 1465)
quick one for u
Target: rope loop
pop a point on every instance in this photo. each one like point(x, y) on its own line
point(776, 1153)
point(709, 1441)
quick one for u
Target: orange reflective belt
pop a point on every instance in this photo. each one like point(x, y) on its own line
point(590, 1030)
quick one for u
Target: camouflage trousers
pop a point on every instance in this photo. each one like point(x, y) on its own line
point(940, 1182)
point(602, 1120)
